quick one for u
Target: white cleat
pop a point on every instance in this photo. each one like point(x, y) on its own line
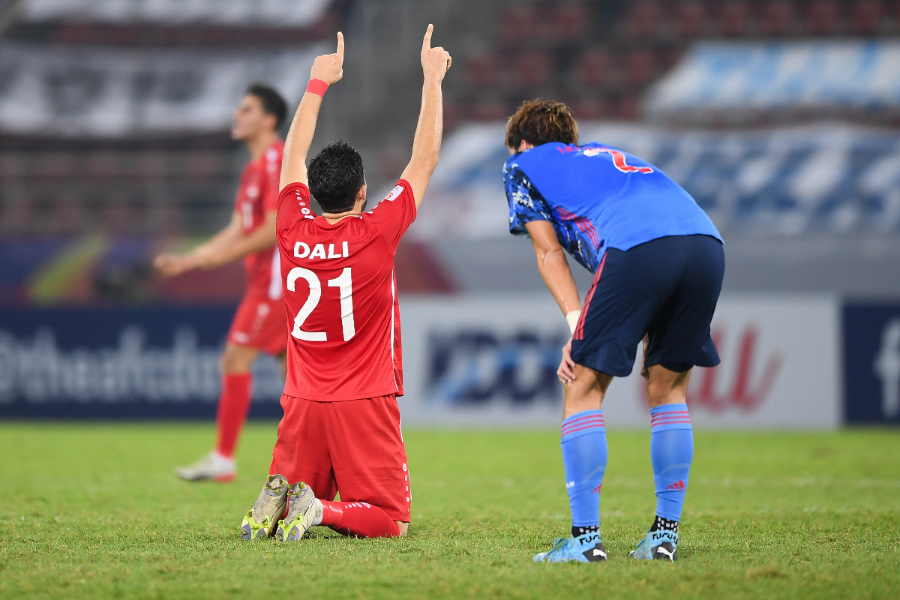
point(212, 467)
point(260, 520)
point(304, 511)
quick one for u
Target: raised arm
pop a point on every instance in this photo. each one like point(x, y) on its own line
point(326, 70)
point(430, 128)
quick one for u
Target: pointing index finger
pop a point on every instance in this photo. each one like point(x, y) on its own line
point(426, 41)
point(340, 45)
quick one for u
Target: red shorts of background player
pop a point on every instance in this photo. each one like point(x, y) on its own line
point(351, 447)
point(259, 323)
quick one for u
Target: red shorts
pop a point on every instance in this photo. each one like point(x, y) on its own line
point(260, 323)
point(351, 447)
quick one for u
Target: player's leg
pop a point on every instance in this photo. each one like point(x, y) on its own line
point(371, 470)
point(603, 346)
point(671, 454)
point(304, 454)
point(263, 516)
point(234, 402)
point(678, 339)
point(258, 327)
point(584, 453)
point(301, 448)
point(300, 453)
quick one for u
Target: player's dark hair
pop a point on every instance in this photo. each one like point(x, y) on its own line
point(272, 102)
point(335, 175)
point(539, 122)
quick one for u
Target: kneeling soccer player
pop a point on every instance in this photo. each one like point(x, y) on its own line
point(658, 262)
point(341, 427)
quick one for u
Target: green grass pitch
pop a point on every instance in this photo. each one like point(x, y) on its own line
point(94, 511)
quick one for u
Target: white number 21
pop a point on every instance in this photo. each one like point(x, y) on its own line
point(344, 282)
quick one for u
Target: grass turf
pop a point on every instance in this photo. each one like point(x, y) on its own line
point(93, 511)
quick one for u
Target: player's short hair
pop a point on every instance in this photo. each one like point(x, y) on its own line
point(539, 122)
point(335, 175)
point(272, 102)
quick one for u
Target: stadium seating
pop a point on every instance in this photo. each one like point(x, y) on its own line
point(602, 57)
point(607, 59)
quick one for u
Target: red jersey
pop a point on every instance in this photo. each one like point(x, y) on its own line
point(258, 194)
point(341, 297)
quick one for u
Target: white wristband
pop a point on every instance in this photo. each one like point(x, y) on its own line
point(572, 318)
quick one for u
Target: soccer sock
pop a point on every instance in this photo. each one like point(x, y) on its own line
point(671, 451)
point(580, 531)
point(234, 401)
point(359, 519)
point(660, 524)
point(583, 445)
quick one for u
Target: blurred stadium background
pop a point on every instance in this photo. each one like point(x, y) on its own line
point(780, 116)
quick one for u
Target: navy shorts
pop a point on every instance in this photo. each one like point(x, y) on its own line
point(666, 289)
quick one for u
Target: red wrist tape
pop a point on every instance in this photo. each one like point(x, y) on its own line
point(317, 86)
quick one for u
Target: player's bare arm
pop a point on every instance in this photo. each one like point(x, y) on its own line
point(430, 128)
point(170, 264)
point(554, 269)
point(225, 247)
point(553, 266)
point(328, 68)
point(261, 238)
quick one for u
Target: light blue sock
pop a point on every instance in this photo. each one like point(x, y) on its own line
point(584, 458)
point(671, 450)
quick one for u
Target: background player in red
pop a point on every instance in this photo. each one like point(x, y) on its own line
point(258, 324)
point(341, 427)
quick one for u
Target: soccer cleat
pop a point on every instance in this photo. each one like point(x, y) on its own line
point(304, 511)
point(212, 467)
point(260, 520)
point(584, 548)
point(657, 545)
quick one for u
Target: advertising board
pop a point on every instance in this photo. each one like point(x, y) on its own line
point(486, 361)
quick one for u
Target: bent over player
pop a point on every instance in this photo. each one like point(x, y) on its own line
point(258, 324)
point(658, 263)
point(341, 427)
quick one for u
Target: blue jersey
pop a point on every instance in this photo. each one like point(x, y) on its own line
point(598, 197)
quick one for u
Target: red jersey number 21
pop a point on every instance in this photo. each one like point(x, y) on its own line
point(344, 282)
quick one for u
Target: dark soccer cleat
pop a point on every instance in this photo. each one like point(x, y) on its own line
point(584, 548)
point(665, 551)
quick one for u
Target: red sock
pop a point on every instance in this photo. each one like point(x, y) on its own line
point(234, 401)
point(358, 518)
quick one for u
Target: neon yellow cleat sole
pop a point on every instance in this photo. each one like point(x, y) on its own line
point(304, 511)
point(262, 518)
point(252, 530)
